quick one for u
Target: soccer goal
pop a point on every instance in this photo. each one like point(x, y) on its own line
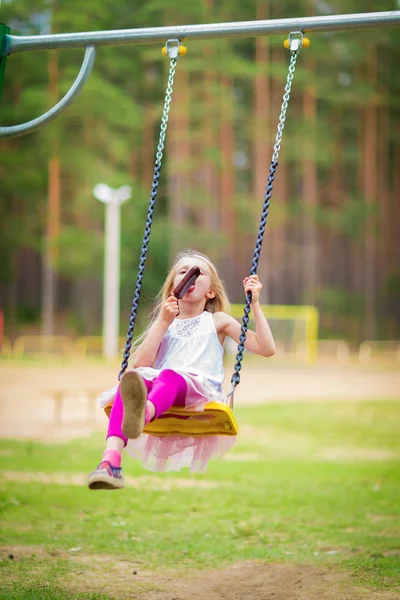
point(295, 330)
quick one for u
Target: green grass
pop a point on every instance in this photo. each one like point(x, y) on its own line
point(305, 483)
point(44, 591)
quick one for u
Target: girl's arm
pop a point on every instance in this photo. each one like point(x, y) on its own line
point(146, 352)
point(260, 341)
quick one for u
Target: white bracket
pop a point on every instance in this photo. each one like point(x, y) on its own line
point(295, 41)
point(172, 47)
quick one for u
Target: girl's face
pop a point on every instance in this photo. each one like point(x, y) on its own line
point(201, 289)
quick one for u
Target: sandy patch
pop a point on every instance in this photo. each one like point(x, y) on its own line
point(250, 580)
point(31, 406)
point(80, 479)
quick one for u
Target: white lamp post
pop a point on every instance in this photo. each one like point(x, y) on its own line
point(113, 200)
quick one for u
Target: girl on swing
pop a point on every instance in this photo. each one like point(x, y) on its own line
point(179, 362)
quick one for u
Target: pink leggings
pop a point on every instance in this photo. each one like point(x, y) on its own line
point(165, 390)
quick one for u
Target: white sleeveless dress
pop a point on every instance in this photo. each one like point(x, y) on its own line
point(191, 348)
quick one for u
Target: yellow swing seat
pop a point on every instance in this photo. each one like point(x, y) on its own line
point(216, 419)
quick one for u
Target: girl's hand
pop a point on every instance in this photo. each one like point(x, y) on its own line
point(252, 284)
point(169, 310)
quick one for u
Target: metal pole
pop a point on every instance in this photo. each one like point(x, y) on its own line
point(113, 200)
point(111, 280)
point(241, 29)
point(63, 104)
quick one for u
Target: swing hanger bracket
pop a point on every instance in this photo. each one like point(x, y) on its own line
point(174, 48)
point(230, 395)
point(296, 41)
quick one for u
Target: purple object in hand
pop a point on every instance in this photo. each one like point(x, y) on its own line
point(186, 283)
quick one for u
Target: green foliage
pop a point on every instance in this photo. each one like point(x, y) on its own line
point(393, 284)
point(101, 136)
point(349, 218)
point(81, 252)
point(45, 591)
point(339, 302)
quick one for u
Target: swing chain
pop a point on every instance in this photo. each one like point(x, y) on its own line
point(235, 380)
point(164, 119)
point(286, 97)
point(149, 219)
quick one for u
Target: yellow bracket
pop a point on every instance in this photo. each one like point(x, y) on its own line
point(174, 48)
point(296, 41)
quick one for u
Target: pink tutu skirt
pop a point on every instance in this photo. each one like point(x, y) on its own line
point(172, 453)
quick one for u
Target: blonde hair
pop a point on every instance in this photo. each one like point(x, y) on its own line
point(220, 302)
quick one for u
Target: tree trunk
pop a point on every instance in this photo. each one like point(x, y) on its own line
point(334, 269)
point(358, 269)
point(383, 270)
point(370, 195)
point(310, 195)
point(148, 153)
point(227, 183)
point(178, 155)
point(262, 154)
point(395, 246)
point(233, 251)
point(209, 142)
point(49, 277)
point(209, 139)
point(280, 269)
point(394, 307)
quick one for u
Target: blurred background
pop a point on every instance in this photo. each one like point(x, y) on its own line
point(332, 234)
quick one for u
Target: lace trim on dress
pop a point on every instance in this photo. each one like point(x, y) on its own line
point(187, 327)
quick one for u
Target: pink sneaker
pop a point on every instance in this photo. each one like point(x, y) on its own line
point(106, 477)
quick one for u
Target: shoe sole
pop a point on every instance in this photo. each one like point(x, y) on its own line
point(104, 482)
point(133, 394)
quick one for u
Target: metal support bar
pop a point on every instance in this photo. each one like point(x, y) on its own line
point(76, 88)
point(200, 32)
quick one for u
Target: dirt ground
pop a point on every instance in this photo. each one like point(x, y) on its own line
point(250, 580)
point(59, 402)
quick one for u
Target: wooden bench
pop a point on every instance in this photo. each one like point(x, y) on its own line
point(60, 395)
